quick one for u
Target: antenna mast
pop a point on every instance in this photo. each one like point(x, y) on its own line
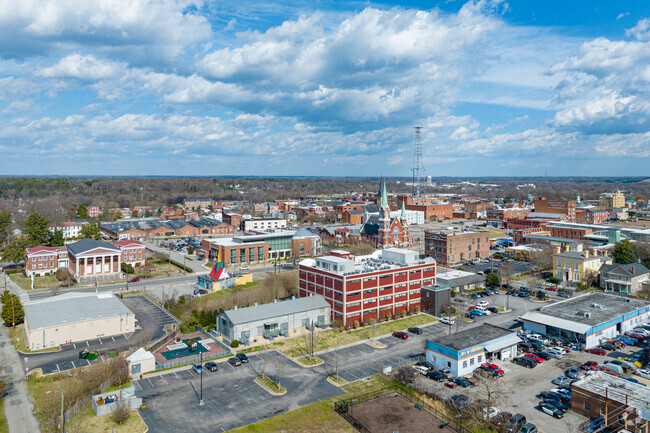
point(418, 169)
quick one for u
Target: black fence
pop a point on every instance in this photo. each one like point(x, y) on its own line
point(345, 408)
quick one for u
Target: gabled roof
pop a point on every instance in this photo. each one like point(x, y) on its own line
point(371, 226)
point(87, 245)
point(355, 212)
point(43, 249)
point(630, 270)
point(127, 243)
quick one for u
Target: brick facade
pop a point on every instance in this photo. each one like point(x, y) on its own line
point(450, 249)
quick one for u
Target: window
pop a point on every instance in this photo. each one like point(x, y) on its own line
point(471, 361)
point(465, 364)
point(587, 407)
point(559, 264)
point(480, 358)
point(448, 364)
point(233, 256)
point(354, 304)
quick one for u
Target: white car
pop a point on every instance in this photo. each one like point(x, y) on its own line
point(483, 304)
point(447, 321)
point(538, 338)
point(641, 331)
point(643, 373)
point(554, 353)
point(421, 369)
point(494, 411)
point(483, 310)
point(559, 349)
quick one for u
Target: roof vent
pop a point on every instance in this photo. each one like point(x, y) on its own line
point(587, 315)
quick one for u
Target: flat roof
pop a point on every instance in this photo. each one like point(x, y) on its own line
point(276, 309)
point(72, 307)
point(608, 307)
point(616, 388)
point(482, 334)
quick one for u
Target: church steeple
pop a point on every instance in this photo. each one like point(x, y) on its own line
point(384, 197)
point(402, 216)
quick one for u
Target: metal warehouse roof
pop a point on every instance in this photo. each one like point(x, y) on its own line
point(72, 308)
point(601, 308)
point(482, 334)
point(276, 309)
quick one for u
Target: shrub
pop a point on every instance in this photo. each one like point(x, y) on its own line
point(417, 308)
point(190, 251)
point(403, 313)
point(356, 324)
point(234, 344)
point(335, 323)
point(127, 268)
point(342, 328)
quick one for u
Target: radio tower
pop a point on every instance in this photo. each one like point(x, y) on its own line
point(418, 169)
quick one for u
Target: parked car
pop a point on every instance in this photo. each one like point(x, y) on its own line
point(554, 352)
point(421, 369)
point(572, 372)
point(415, 330)
point(565, 393)
point(621, 364)
point(535, 357)
point(451, 384)
point(476, 312)
point(243, 268)
point(401, 335)
point(525, 362)
point(199, 292)
point(447, 321)
point(589, 365)
point(557, 403)
point(551, 288)
point(461, 381)
point(618, 343)
point(234, 361)
point(501, 418)
point(459, 401)
point(211, 366)
point(242, 357)
point(597, 351)
point(643, 373)
point(545, 356)
point(483, 304)
point(523, 294)
point(630, 360)
point(514, 423)
point(134, 280)
point(492, 310)
point(528, 428)
point(561, 380)
point(552, 395)
point(489, 413)
point(436, 375)
point(608, 346)
point(426, 364)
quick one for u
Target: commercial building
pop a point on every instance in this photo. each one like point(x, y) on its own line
point(75, 317)
point(141, 361)
point(454, 248)
point(612, 200)
point(499, 217)
point(577, 265)
point(353, 216)
point(588, 319)
point(620, 403)
point(141, 230)
point(92, 211)
point(263, 224)
point(92, 259)
point(460, 281)
point(627, 278)
point(464, 351)
point(274, 319)
point(435, 298)
point(413, 217)
point(566, 208)
point(387, 282)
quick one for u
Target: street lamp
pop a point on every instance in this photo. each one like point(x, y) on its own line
point(62, 418)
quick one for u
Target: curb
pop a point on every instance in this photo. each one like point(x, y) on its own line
point(377, 345)
point(310, 366)
point(336, 384)
point(256, 380)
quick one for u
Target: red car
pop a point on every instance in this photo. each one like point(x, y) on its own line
point(590, 365)
point(451, 385)
point(492, 367)
point(134, 280)
point(618, 343)
point(597, 351)
point(400, 335)
point(535, 357)
point(607, 370)
point(635, 336)
point(552, 289)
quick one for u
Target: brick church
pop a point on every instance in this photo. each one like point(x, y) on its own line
point(384, 230)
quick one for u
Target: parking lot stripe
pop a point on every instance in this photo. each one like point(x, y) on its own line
point(113, 339)
point(87, 343)
point(100, 341)
point(57, 368)
point(150, 383)
point(74, 345)
point(163, 379)
point(137, 382)
point(73, 366)
point(177, 376)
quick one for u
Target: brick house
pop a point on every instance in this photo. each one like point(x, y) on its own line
point(499, 217)
point(354, 216)
point(566, 208)
point(43, 260)
point(133, 252)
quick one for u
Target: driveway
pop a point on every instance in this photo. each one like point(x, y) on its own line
point(152, 321)
point(231, 397)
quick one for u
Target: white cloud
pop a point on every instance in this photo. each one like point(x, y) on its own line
point(83, 67)
point(641, 31)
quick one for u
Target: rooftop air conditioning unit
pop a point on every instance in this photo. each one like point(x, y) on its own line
point(587, 315)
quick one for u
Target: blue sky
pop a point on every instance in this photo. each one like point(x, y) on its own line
point(167, 87)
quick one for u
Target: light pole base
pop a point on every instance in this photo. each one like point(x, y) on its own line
point(201, 402)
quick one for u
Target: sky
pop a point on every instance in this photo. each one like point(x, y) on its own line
point(324, 88)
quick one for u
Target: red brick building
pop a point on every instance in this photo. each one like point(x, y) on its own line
point(566, 208)
point(370, 287)
point(384, 230)
point(499, 217)
point(454, 248)
point(133, 252)
point(354, 216)
point(43, 260)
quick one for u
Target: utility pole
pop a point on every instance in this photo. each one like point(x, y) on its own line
point(201, 401)
point(13, 314)
point(62, 415)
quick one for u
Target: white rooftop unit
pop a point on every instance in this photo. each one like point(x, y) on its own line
point(399, 255)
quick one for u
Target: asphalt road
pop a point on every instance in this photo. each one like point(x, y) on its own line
point(231, 397)
point(152, 319)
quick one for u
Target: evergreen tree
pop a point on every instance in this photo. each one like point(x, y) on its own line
point(82, 212)
point(625, 252)
point(15, 251)
point(5, 223)
point(56, 239)
point(37, 229)
point(90, 230)
point(12, 310)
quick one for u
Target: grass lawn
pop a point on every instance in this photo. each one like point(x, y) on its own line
point(100, 424)
point(4, 428)
point(18, 339)
point(333, 338)
point(497, 233)
point(214, 295)
point(44, 282)
point(317, 417)
point(271, 385)
point(340, 381)
point(310, 362)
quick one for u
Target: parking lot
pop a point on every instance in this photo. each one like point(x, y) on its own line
point(495, 266)
point(152, 320)
point(231, 397)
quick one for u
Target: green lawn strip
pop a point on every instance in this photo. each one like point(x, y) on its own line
point(271, 385)
point(310, 362)
point(44, 282)
point(99, 424)
point(317, 417)
point(4, 428)
point(219, 293)
point(333, 338)
point(18, 339)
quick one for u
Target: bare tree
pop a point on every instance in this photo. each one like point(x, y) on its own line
point(335, 362)
point(142, 338)
point(259, 366)
point(121, 412)
point(491, 394)
point(373, 328)
point(279, 366)
point(308, 342)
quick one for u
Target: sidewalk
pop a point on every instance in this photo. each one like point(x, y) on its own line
point(18, 404)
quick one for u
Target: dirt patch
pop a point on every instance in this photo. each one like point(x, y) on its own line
point(395, 413)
